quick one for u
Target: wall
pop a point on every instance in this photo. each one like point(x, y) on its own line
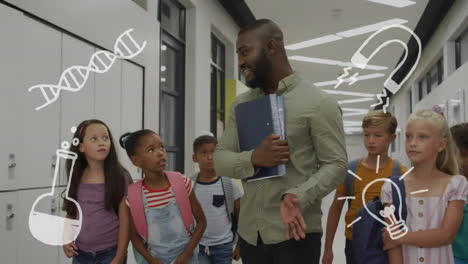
point(355, 146)
point(204, 17)
point(441, 43)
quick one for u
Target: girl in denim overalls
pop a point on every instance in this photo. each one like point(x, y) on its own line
point(162, 205)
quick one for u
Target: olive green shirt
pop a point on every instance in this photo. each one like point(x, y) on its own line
point(317, 164)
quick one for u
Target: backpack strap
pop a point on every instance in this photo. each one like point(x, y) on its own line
point(396, 168)
point(228, 196)
point(182, 198)
point(135, 199)
point(395, 198)
point(194, 178)
point(349, 180)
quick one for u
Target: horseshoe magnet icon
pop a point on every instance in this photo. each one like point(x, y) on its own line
point(361, 60)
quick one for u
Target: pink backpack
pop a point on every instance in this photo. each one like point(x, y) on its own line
point(137, 209)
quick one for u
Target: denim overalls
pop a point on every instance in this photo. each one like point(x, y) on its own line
point(167, 236)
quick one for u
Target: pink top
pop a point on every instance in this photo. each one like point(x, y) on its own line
point(428, 213)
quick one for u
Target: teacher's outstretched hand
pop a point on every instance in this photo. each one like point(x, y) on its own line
point(292, 217)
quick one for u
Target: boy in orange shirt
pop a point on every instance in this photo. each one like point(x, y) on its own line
point(379, 132)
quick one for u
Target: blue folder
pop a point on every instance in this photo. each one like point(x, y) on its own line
point(257, 119)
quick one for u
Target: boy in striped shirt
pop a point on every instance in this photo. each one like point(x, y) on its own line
point(220, 199)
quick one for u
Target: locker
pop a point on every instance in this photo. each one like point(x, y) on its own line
point(75, 106)
point(40, 133)
point(8, 226)
point(31, 250)
point(108, 87)
point(10, 111)
point(132, 107)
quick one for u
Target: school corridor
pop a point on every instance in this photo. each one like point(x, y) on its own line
point(172, 66)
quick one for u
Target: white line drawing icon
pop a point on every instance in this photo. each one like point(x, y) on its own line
point(394, 3)
point(52, 229)
point(347, 198)
point(361, 60)
point(355, 221)
point(74, 78)
point(341, 77)
point(420, 191)
point(396, 228)
point(351, 80)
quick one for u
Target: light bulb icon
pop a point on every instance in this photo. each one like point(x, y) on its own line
point(396, 227)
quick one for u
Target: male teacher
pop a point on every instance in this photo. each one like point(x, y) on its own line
point(280, 218)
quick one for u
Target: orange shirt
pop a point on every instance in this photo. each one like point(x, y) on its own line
point(367, 175)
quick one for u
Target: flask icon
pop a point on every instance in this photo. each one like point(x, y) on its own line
point(52, 229)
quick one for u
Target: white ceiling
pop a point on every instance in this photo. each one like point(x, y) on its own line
point(303, 20)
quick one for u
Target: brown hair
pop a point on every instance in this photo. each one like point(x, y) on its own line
point(116, 177)
point(460, 135)
point(378, 118)
point(205, 139)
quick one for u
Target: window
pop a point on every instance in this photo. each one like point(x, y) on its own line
point(435, 76)
point(393, 145)
point(172, 82)
point(422, 88)
point(218, 77)
point(411, 101)
point(461, 49)
point(431, 80)
point(172, 17)
point(440, 67)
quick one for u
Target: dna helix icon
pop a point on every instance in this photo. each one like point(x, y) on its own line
point(74, 78)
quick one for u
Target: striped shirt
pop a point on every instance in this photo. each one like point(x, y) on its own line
point(425, 213)
point(162, 197)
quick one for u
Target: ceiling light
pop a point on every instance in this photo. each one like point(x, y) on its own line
point(354, 130)
point(394, 3)
point(354, 111)
point(348, 93)
point(358, 100)
point(344, 34)
point(334, 62)
point(371, 28)
point(354, 114)
point(348, 123)
point(313, 42)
